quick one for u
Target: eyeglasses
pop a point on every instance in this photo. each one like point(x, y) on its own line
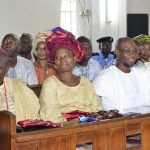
point(146, 49)
point(41, 49)
point(10, 42)
point(129, 51)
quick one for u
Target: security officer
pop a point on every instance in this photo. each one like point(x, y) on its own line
point(105, 57)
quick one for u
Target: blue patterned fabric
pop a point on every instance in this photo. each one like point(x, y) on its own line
point(90, 71)
point(102, 61)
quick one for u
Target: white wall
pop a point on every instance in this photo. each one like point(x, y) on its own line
point(139, 7)
point(97, 26)
point(31, 16)
point(84, 23)
point(117, 27)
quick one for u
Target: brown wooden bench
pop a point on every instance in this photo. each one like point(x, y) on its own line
point(36, 89)
point(105, 135)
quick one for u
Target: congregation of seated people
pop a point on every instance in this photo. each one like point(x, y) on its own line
point(70, 78)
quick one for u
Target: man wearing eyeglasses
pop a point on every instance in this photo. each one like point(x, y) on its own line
point(121, 86)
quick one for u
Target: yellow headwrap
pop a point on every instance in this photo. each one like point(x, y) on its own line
point(142, 38)
point(40, 37)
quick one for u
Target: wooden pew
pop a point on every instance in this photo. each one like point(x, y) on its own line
point(145, 133)
point(7, 129)
point(105, 135)
point(66, 138)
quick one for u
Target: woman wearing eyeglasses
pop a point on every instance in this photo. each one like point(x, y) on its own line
point(42, 67)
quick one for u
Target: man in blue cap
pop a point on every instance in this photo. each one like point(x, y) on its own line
point(105, 57)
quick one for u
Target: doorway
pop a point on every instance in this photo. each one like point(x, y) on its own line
point(137, 24)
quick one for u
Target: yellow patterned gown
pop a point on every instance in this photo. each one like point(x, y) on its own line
point(56, 98)
point(17, 98)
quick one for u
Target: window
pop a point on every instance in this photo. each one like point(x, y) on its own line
point(68, 15)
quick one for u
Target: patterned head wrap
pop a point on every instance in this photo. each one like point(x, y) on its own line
point(40, 37)
point(62, 38)
point(142, 38)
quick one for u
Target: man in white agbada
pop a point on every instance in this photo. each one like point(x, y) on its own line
point(122, 86)
point(23, 68)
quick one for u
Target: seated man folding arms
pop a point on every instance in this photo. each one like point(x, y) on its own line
point(15, 96)
point(122, 86)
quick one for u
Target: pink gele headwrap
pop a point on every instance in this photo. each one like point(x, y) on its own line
point(62, 38)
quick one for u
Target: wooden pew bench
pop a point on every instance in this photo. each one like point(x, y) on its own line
point(105, 135)
point(36, 89)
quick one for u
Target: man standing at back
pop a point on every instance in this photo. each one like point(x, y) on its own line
point(121, 86)
point(105, 57)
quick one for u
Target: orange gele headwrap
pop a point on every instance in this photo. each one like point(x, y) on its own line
point(62, 38)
